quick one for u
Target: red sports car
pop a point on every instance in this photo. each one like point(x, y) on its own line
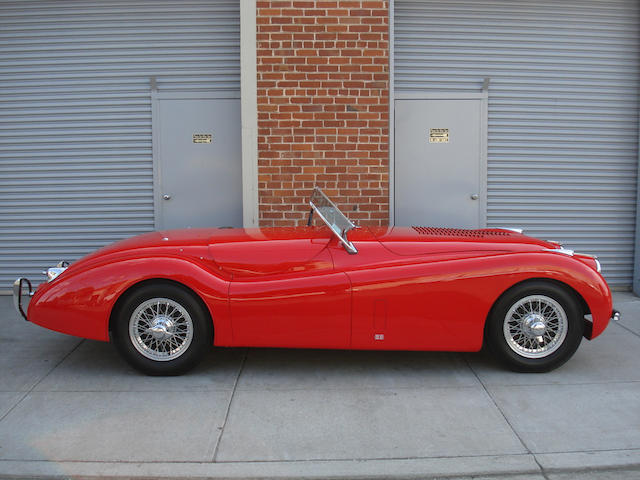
point(164, 298)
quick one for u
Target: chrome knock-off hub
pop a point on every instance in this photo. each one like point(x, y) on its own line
point(534, 325)
point(161, 328)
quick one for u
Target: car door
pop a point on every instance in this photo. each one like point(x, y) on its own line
point(287, 293)
point(409, 303)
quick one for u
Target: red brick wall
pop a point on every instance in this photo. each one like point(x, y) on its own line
point(323, 108)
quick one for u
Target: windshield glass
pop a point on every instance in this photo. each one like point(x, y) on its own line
point(333, 217)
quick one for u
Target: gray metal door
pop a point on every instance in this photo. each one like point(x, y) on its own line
point(438, 177)
point(562, 109)
point(198, 162)
point(76, 169)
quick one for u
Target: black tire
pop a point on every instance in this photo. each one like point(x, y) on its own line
point(556, 315)
point(182, 329)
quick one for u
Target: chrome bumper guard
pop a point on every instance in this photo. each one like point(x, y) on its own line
point(17, 294)
point(615, 315)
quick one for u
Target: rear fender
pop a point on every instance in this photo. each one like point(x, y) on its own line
point(81, 302)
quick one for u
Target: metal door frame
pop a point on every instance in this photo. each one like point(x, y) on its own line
point(156, 98)
point(483, 96)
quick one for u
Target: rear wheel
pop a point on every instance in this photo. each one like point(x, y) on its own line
point(162, 330)
point(535, 327)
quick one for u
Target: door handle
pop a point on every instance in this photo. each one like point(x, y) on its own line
point(475, 196)
point(166, 197)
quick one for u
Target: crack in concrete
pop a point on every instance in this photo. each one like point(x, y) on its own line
point(226, 416)
point(33, 387)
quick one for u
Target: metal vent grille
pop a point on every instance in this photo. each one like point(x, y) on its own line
point(458, 232)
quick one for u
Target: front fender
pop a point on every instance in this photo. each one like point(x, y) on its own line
point(583, 279)
point(80, 302)
point(593, 289)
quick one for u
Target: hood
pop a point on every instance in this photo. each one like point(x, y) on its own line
point(419, 240)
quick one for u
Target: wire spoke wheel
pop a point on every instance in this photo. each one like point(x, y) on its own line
point(161, 329)
point(535, 326)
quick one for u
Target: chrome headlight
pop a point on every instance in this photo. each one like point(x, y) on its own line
point(585, 258)
point(594, 259)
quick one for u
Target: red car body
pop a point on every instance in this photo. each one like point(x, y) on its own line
point(408, 288)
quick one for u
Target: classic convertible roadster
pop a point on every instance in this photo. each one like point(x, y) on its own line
point(165, 297)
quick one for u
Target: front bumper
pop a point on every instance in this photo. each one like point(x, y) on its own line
point(615, 315)
point(18, 287)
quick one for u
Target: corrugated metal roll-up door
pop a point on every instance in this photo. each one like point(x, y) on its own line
point(76, 167)
point(563, 109)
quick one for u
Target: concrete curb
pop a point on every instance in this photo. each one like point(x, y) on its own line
point(597, 460)
point(422, 468)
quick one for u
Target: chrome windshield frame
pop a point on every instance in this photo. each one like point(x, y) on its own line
point(331, 215)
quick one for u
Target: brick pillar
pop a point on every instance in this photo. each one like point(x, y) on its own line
point(323, 108)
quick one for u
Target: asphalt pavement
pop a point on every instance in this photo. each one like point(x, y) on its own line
point(72, 408)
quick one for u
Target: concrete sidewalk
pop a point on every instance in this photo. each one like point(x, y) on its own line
point(72, 408)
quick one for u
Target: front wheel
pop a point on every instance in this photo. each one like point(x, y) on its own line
point(162, 330)
point(535, 327)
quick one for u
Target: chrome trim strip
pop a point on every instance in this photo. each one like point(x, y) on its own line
point(564, 251)
point(515, 230)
